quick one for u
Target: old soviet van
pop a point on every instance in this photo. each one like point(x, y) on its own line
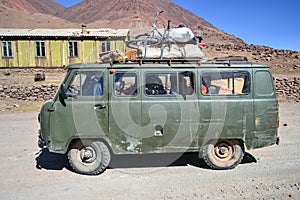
point(219, 109)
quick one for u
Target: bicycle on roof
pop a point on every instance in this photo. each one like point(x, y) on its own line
point(162, 37)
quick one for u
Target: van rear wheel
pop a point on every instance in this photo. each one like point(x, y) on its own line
point(90, 158)
point(222, 154)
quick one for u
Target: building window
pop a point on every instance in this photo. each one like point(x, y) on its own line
point(105, 46)
point(7, 49)
point(73, 49)
point(40, 49)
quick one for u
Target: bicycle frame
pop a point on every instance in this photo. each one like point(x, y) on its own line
point(154, 27)
point(159, 38)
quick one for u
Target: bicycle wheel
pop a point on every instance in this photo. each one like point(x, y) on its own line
point(142, 36)
point(142, 41)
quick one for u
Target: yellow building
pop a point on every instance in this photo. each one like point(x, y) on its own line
point(57, 47)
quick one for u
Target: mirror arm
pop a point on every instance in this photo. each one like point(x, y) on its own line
point(72, 95)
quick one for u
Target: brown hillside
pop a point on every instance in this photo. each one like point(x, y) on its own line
point(47, 6)
point(16, 19)
point(32, 6)
point(32, 14)
point(17, 5)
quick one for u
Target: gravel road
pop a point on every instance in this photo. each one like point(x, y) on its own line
point(26, 173)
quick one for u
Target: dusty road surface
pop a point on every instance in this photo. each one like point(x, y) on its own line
point(26, 173)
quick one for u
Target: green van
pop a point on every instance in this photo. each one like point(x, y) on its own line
point(219, 109)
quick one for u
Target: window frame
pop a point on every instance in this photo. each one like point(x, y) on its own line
point(88, 81)
point(40, 48)
point(234, 76)
point(105, 46)
point(7, 49)
point(267, 89)
point(136, 76)
point(177, 74)
point(73, 49)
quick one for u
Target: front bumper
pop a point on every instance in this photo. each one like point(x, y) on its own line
point(277, 140)
point(41, 142)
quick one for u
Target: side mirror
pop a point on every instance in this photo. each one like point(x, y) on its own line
point(63, 91)
point(119, 85)
point(63, 94)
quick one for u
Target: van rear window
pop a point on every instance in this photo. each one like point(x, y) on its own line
point(264, 83)
point(225, 83)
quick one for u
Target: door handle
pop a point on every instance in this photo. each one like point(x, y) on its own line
point(99, 106)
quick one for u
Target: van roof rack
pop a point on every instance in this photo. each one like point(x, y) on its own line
point(165, 60)
point(232, 58)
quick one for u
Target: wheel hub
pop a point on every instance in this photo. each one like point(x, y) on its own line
point(88, 155)
point(223, 151)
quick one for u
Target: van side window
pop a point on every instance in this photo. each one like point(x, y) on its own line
point(225, 83)
point(174, 83)
point(125, 84)
point(87, 84)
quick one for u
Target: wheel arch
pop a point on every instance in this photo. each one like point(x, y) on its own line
point(88, 141)
point(240, 141)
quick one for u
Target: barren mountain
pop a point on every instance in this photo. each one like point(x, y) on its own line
point(134, 11)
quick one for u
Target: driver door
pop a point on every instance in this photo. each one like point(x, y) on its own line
point(85, 111)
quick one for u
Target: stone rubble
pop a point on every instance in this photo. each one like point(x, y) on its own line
point(288, 89)
point(32, 93)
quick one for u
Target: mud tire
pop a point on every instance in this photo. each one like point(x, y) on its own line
point(89, 158)
point(222, 154)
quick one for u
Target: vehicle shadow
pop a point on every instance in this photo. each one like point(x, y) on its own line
point(157, 160)
point(53, 161)
point(166, 160)
point(248, 158)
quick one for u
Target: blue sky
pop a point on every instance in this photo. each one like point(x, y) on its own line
point(274, 23)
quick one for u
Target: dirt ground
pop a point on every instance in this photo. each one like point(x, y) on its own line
point(28, 173)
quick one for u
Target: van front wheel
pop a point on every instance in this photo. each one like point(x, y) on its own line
point(222, 154)
point(90, 158)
